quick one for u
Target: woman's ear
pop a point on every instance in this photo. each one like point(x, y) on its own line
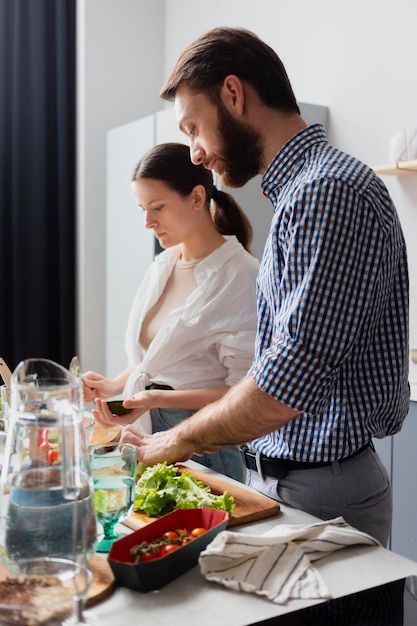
point(232, 94)
point(199, 197)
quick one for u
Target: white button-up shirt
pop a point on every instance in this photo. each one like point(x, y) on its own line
point(209, 341)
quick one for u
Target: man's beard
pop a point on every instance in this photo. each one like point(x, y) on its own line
point(242, 150)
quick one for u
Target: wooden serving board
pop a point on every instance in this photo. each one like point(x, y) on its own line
point(103, 582)
point(249, 506)
point(101, 587)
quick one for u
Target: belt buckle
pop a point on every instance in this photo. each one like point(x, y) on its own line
point(281, 470)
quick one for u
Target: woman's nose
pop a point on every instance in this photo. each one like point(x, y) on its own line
point(149, 220)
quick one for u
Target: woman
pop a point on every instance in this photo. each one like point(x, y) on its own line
point(191, 330)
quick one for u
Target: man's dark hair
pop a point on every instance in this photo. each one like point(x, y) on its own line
point(206, 62)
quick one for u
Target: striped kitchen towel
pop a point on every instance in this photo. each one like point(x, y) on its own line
point(278, 563)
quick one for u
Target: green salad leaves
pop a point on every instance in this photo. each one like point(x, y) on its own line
point(161, 489)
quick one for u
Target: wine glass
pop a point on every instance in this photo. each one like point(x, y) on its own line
point(113, 470)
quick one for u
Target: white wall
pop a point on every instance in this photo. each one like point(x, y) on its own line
point(130, 246)
point(357, 58)
point(120, 69)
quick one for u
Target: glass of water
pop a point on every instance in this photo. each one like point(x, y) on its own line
point(113, 470)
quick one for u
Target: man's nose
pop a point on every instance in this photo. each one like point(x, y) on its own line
point(197, 153)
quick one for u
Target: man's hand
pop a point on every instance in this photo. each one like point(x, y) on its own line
point(242, 414)
point(157, 448)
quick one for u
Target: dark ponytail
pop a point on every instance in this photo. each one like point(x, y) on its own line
point(171, 163)
point(229, 218)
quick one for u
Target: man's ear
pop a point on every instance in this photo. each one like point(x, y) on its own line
point(232, 94)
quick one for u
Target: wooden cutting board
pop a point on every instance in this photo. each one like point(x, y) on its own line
point(249, 506)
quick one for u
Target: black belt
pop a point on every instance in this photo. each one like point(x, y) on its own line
point(156, 386)
point(279, 468)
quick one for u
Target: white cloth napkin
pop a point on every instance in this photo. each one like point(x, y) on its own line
point(278, 563)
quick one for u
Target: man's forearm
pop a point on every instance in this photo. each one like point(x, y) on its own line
point(243, 414)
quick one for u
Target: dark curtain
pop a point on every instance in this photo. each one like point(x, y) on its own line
point(37, 180)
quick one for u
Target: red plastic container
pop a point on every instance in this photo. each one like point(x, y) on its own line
point(155, 574)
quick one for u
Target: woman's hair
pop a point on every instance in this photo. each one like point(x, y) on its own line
point(206, 62)
point(171, 163)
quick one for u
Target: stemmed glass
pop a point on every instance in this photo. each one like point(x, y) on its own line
point(113, 469)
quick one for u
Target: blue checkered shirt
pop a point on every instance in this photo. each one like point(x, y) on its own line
point(333, 295)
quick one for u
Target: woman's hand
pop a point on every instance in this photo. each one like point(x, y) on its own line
point(106, 418)
point(98, 386)
point(141, 402)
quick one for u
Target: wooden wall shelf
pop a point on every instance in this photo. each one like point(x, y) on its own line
point(400, 168)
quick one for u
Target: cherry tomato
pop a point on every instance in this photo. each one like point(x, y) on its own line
point(198, 531)
point(148, 556)
point(53, 457)
point(44, 446)
point(170, 534)
point(187, 539)
point(43, 440)
point(170, 547)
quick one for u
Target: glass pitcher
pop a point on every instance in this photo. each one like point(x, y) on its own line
point(47, 503)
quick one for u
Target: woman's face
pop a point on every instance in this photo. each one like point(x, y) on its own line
point(171, 217)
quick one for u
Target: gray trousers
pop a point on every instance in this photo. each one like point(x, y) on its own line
point(358, 489)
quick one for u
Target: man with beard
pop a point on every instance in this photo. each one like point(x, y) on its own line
point(330, 369)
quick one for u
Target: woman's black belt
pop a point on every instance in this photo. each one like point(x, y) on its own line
point(279, 468)
point(156, 386)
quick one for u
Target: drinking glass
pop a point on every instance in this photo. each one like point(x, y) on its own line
point(5, 407)
point(113, 469)
point(46, 490)
point(4, 419)
point(88, 426)
point(62, 583)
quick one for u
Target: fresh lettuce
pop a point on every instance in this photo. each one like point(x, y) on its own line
point(161, 489)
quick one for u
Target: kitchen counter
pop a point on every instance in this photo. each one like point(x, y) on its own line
point(191, 600)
